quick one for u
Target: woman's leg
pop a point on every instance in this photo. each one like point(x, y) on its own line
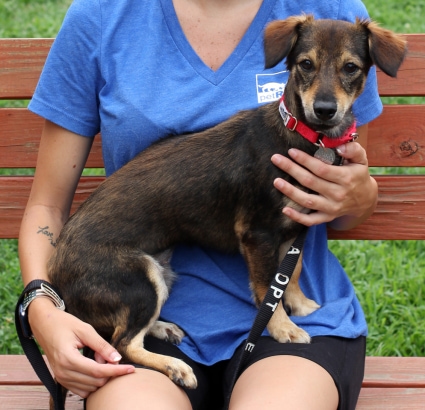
point(144, 389)
point(325, 374)
point(150, 389)
point(284, 382)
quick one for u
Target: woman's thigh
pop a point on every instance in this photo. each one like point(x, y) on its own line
point(327, 373)
point(150, 389)
point(285, 382)
point(144, 389)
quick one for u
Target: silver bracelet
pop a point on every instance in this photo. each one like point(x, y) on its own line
point(44, 291)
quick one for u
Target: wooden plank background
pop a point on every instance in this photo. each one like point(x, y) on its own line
point(396, 139)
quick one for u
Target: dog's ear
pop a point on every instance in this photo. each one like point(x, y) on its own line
point(386, 49)
point(280, 36)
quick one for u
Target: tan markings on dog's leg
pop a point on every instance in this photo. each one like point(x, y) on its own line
point(282, 329)
point(118, 331)
point(294, 298)
point(161, 330)
point(154, 272)
point(166, 331)
point(177, 370)
point(240, 228)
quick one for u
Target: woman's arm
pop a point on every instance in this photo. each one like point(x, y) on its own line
point(345, 196)
point(61, 159)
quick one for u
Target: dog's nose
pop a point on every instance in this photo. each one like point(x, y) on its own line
point(325, 110)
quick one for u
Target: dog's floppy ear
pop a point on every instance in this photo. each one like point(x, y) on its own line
point(386, 49)
point(280, 36)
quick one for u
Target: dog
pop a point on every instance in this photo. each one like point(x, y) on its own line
point(110, 263)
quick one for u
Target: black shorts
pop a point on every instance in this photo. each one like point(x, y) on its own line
point(343, 359)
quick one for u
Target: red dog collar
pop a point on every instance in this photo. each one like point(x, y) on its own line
point(315, 137)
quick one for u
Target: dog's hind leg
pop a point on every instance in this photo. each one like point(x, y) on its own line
point(166, 331)
point(129, 339)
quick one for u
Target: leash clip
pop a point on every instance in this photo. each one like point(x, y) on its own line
point(354, 136)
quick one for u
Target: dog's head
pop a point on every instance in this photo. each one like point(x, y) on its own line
point(328, 62)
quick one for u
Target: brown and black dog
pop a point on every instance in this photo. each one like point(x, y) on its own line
point(214, 188)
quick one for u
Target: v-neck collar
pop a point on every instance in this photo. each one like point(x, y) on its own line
point(216, 77)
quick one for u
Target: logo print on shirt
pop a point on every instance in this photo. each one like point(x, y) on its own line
point(270, 87)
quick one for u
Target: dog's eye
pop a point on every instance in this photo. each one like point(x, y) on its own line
point(350, 68)
point(306, 65)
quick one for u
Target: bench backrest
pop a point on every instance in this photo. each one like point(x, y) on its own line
point(396, 139)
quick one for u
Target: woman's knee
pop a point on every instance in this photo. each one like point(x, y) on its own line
point(144, 389)
point(285, 382)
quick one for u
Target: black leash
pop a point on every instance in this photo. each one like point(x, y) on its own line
point(271, 301)
point(32, 350)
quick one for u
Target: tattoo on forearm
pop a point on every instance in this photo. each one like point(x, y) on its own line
point(45, 231)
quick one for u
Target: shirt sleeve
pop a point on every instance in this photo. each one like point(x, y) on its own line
point(68, 88)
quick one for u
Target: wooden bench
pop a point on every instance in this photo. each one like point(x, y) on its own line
point(396, 139)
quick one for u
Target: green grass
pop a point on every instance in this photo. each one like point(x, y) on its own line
point(388, 275)
point(401, 16)
point(10, 288)
point(31, 18)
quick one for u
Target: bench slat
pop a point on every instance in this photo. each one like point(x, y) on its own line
point(395, 372)
point(410, 79)
point(33, 398)
point(397, 138)
point(391, 399)
point(21, 61)
point(379, 371)
point(17, 370)
point(20, 133)
point(390, 383)
point(400, 198)
point(400, 213)
point(14, 192)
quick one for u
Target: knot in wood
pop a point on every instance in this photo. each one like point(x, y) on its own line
point(408, 148)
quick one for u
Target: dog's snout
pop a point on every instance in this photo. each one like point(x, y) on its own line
point(325, 110)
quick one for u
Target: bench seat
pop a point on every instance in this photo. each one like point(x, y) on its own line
point(390, 383)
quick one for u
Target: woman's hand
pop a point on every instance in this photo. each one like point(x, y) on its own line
point(345, 195)
point(66, 335)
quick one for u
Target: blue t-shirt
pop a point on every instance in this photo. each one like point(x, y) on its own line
point(125, 68)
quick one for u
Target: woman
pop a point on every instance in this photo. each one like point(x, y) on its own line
point(137, 71)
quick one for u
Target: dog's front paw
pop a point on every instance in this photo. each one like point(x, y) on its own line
point(290, 333)
point(167, 331)
point(300, 307)
point(181, 374)
point(282, 329)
